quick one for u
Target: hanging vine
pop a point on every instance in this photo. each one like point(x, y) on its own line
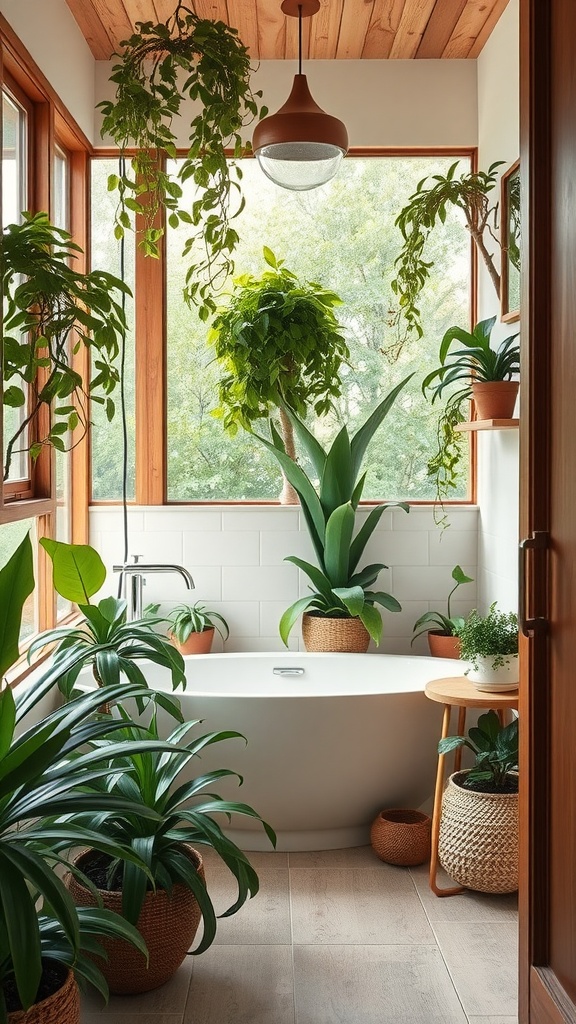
point(186, 58)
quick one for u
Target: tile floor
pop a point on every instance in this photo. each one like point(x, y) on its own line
point(340, 938)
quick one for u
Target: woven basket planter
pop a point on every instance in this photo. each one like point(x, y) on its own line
point(321, 633)
point(478, 843)
point(401, 836)
point(63, 1007)
point(167, 923)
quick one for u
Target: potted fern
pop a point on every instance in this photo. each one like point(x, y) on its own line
point(490, 643)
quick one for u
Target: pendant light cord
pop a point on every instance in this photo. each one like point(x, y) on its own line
point(123, 415)
point(299, 39)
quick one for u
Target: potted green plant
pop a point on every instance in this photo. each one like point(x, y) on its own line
point(279, 344)
point(443, 630)
point(478, 842)
point(46, 299)
point(178, 822)
point(480, 372)
point(103, 638)
point(191, 627)
point(44, 767)
point(162, 68)
point(490, 643)
point(342, 611)
point(470, 192)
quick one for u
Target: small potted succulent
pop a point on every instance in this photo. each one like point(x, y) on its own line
point(490, 643)
point(443, 638)
point(192, 628)
point(478, 841)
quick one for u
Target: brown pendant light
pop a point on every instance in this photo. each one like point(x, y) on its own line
point(300, 146)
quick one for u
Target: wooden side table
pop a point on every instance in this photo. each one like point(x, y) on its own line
point(458, 692)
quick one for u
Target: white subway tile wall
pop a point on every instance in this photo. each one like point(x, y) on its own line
point(235, 555)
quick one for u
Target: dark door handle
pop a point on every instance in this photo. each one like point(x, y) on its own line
point(529, 624)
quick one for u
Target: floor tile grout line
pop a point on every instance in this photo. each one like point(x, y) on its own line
point(438, 946)
point(292, 939)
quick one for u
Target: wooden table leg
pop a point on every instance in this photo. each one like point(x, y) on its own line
point(461, 732)
point(437, 811)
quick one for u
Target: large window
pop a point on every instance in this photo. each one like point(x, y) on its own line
point(343, 236)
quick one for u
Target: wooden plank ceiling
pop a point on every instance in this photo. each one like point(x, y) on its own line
point(342, 29)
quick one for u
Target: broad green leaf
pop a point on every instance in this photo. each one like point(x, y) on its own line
point(339, 529)
point(373, 622)
point(337, 481)
point(460, 576)
point(79, 571)
point(16, 584)
point(351, 597)
point(7, 721)
point(292, 614)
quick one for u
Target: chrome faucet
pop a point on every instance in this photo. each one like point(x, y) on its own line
point(132, 581)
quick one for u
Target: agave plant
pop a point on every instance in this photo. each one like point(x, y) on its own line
point(340, 589)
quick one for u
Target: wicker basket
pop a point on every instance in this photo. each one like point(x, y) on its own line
point(478, 843)
point(321, 633)
point(167, 923)
point(63, 1007)
point(401, 836)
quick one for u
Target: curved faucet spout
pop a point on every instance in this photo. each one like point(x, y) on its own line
point(137, 571)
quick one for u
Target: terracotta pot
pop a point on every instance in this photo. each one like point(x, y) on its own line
point(62, 1007)
point(401, 836)
point(197, 643)
point(495, 680)
point(478, 842)
point(495, 400)
point(442, 645)
point(322, 633)
point(167, 923)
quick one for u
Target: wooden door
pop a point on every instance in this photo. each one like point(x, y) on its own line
point(548, 513)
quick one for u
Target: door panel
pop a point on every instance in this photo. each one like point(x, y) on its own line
point(548, 503)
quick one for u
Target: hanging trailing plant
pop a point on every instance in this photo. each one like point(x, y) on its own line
point(162, 66)
point(470, 193)
point(50, 311)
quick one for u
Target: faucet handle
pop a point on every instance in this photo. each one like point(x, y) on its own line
point(136, 558)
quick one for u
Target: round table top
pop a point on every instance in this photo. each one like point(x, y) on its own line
point(459, 691)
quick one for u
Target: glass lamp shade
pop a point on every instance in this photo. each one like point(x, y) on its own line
point(301, 146)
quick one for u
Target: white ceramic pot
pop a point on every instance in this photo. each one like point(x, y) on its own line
point(495, 680)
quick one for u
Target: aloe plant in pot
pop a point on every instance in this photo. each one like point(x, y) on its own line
point(342, 612)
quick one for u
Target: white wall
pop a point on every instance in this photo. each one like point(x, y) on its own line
point(49, 32)
point(235, 555)
point(382, 103)
point(498, 466)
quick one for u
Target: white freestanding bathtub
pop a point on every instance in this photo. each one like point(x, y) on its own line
point(332, 739)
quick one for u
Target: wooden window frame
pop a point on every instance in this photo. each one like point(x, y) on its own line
point(51, 123)
point(151, 359)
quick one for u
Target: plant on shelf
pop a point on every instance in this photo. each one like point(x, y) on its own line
point(490, 643)
point(178, 818)
point(45, 300)
point(191, 627)
point(478, 371)
point(478, 841)
point(279, 344)
point(103, 638)
point(342, 599)
point(443, 630)
point(161, 69)
point(471, 192)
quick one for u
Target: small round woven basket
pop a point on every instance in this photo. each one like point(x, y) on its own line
point(321, 633)
point(63, 1007)
point(401, 836)
point(167, 923)
point(478, 842)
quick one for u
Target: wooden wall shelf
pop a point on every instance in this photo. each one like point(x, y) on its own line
point(488, 425)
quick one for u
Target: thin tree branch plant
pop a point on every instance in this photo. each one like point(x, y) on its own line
point(50, 311)
point(161, 68)
point(280, 345)
point(339, 589)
